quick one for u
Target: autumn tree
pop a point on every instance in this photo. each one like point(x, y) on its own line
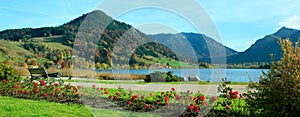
point(277, 93)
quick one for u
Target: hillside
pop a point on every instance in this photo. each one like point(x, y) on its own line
point(262, 48)
point(192, 44)
point(94, 37)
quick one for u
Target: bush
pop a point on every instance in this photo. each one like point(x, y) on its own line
point(8, 73)
point(277, 93)
point(162, 77)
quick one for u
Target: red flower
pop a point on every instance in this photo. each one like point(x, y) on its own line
point(191, 107)
point(46, 95)
point(194, 98)
point(117, 93)
point(23, 91)
point(162, 93)
point(142, 96)
point(116, 98)
point(36, 90)
point(42, 83)
point(214, 98)
point(35, 83)
point(167, 99)
point(241, 96)
point(227, 107)
point(157, 103)
point(110, 96)
point(106, 92)
point(63, 93)
point(18, 83)
point(16, 87)
point(196, 109)
point(56, 84)
point(147, 106)
point(129, 102)
point(94, 86)
point(56, 90)
point(4, 81)
point(27, 91)
point(226, 95)
point(173, 89)
point(202, 97)
point(150, 94)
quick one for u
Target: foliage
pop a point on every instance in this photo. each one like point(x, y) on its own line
point(162, 77)
point(277, 93)
point(8, 73)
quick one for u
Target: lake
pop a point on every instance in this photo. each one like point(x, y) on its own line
point(215, 75)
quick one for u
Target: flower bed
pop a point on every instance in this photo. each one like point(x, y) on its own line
point(166, 103)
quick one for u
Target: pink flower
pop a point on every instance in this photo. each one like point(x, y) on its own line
point(214, 98)
point(4, 81)
point(94, 86)
point(150, 94)
point(188, 91)
point(204, 103)
point(46, 95)
point(129, 102)
point(79, 86)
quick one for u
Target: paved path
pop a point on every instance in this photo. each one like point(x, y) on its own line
point(204, 89)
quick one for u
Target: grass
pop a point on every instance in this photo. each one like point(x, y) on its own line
point(13, 49)
point(22, 108)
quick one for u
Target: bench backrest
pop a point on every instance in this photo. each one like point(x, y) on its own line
point(38, 72)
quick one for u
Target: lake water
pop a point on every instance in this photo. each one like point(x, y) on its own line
point(234, 75)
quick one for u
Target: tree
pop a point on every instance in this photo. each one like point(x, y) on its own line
point(277, 93)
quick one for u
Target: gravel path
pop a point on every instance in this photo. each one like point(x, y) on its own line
point(204, 89)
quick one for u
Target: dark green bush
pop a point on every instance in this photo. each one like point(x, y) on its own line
point(277, 93)
point(162, 77)
point(8, 73)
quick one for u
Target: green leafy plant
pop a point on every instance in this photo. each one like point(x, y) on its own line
point(8, 73)
point(277, 93)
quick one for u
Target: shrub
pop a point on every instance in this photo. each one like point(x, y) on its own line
point(277, 93)
point(8, 73)
point(162, 77)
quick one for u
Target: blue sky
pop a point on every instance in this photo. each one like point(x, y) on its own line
point(240, 23)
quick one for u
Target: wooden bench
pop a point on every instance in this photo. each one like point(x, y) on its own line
point(41, 72)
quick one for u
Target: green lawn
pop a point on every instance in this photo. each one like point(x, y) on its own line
point(14, 107)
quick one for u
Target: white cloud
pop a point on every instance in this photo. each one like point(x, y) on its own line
point(291, 22)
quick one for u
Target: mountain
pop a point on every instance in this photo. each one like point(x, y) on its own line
point(262, 48)
point(93, 37)
point(192, 44)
